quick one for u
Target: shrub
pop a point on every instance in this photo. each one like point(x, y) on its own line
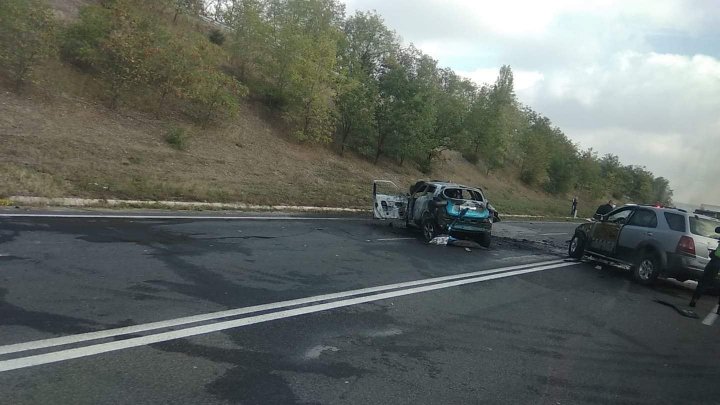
point(177, 138)
point(213, 95)
point(216, 37)
point(27, 36)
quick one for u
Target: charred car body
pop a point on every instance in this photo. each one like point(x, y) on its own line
point(437, 207)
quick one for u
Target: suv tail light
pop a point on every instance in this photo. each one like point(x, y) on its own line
point(686, 245)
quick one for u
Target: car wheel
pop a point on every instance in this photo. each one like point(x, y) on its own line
point(484, 239)
point(429, 228)
point(647, 269)
point(576, 250)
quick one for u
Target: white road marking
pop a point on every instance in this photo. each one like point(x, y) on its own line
point(69, 354)
point(393, 239)
point(198, 217)
point(84, 337)
point(711, 317)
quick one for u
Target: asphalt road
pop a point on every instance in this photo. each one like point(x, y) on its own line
point(524, 327)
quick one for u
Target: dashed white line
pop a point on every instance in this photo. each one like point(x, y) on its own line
point(711, 317)
point(65, 340)
point(69, 354)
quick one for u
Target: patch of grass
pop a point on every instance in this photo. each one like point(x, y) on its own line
point(177, 138)
point(5, 203)
point(18, 180)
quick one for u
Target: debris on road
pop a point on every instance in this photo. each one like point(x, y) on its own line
point(440, 240)
point(684, 312)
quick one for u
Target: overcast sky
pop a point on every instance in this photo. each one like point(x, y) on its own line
point(637, 78)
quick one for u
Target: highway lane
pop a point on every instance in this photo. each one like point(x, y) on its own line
point(567, 334)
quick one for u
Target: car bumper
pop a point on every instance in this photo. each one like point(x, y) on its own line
point(687, 266)
point(466, 225)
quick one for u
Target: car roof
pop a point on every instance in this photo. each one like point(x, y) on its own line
point(447, 184)
point(672, 210)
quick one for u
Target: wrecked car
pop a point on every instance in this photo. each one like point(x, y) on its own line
point(437, 208)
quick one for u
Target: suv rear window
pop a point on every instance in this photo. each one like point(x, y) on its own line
point(462, 193)
point(704, 227)
point(675, 221)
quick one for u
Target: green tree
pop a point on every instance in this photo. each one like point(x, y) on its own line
point(27, 37)
point(301, 70)
point(115, 42)
point(249, 40)
point(495, 121)
point(588, 174)
point(364, 46)
point(661, 191)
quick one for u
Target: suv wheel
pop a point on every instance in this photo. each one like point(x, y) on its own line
point(429, 228)
point(647, 269)
point(576, 250)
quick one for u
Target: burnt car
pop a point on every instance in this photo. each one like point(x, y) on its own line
point(651, 241)
point(437, 207)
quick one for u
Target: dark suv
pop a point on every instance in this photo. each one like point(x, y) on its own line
point(650, 241)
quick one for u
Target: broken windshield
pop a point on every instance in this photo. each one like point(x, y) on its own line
point(463, 194)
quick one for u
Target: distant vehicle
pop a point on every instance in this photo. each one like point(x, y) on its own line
point(436, 207)
point(650, 241)
point(708, 213)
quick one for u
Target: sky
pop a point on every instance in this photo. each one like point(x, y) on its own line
point(636, 78)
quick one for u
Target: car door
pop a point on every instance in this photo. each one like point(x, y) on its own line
point(605, 234)
point(640, 227)
point(388, 201)
point(421, 202)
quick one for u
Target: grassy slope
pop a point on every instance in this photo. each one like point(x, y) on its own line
point(64, 146)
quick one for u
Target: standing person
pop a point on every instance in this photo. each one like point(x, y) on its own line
point(604, 209)
point(708, 278)
point(573, 211)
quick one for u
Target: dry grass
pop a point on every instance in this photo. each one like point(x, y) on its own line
point(64, 146)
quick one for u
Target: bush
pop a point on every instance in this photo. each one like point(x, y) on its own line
point(27, 36)
point(177, 138)
point(213, 95)
point(131, 48)
point(216, 37)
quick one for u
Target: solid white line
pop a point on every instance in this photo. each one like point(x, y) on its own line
point(711, 317)
point(162, 217)
point(68, 354)
point(64, 340)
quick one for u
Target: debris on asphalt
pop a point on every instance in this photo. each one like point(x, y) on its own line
point(684, 312)
point(440, 240)
point(468, 249)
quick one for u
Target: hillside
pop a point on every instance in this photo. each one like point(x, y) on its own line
point(62, 146)
point(259, 118)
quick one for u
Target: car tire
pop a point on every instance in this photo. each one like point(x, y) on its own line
point(647, 268)
point(429, 228)
point(484, 239)
point(576, 250)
